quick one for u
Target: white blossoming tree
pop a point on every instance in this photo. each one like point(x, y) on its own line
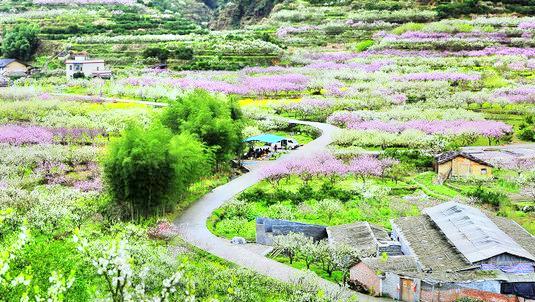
point(124, 282)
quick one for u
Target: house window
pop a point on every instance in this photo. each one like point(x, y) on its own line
point(70, 67)
point(98, 68)
point(484, 171)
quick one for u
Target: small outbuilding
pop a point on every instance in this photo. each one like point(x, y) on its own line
point(267, 228)
point(13, 68)
point(461, 164)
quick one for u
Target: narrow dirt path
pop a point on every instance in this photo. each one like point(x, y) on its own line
point(192, 223)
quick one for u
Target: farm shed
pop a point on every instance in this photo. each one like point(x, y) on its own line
point(461, 164)
point(453, 251)
point(372, 273)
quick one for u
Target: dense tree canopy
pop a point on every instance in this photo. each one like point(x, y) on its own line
point(214, 120)
point(146, 167)
point(20, 42)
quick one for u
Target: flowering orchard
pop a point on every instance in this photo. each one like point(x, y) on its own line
point(326, 165)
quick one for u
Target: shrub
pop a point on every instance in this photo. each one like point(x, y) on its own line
point(407, 27)
point(494, 81)
point(160, 53)
point(413, 157)
point(456, 9)
point(78, 75)
point(182, 53)
point(527, 135)
point(527, 129)
point(363, 45)
point(487, 196)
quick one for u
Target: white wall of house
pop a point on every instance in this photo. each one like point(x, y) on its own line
point(88, 68)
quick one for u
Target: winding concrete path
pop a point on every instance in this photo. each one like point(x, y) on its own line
point(192, 223)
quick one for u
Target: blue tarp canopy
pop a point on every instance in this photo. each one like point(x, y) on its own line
point(265, 138)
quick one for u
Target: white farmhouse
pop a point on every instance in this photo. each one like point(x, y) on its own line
point(81, 64)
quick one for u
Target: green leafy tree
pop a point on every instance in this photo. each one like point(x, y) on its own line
point(138, 168)
point(216, 121)
point(20, 42)
point(326, 257)
point(309, 251)
point(145, 167)
point(191, 160)
point(288, 245)
point(400, 171)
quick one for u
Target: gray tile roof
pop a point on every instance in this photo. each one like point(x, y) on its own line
point(362, 235)
point(430, 247)
point(392, 263)
point(517, 232)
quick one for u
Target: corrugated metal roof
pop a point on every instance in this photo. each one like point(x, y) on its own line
point(472, 233)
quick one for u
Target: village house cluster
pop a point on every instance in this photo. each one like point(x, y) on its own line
point(76, 65)
point(452, 251)
point(449, 252)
